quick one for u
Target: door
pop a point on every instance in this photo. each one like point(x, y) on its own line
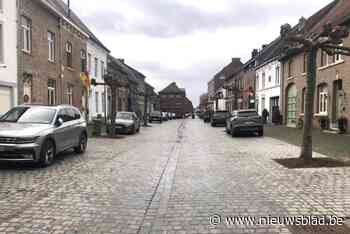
point(64, 134)
point(5, 99)
point(339, 102)
point(292, 106)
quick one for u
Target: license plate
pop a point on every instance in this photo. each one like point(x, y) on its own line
point(2, 149)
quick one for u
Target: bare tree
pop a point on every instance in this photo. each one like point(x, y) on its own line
point(329, 41)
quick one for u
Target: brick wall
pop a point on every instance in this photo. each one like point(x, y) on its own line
point(326, 76)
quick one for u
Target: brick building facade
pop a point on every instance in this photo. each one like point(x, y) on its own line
point(174, 100)
point(332, 77)
point(51, 55)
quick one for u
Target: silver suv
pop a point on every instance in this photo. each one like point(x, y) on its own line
point(38, 133)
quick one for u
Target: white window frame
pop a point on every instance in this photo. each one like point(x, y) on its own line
point(104, 102)
point(263, 80)
point(96, 67)
point(323, 101)
point(277, 78)
point(102, 68)
point(96, 102)
point(51, 44)
point(2, 48)
point(69, 49)
point(51, 93)
point(89, 62)
point(70, 94)
point(27, 34)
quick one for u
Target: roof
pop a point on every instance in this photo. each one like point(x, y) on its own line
point(172, 88)
point(125, 69)
point(62, 7)
point(271, 52)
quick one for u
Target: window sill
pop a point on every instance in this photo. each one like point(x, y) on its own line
point(3, 65)
point(27, 52)
point(290, 78)
point(50, 61)
point(70, 69)
point(321, 114)
point(331, 65)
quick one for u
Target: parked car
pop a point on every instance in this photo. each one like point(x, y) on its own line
point(155, 116)
point(39, 133)
point(127, 122)
point(247, 121)
point(165, 116)
point(206, 117)
point(219, 118)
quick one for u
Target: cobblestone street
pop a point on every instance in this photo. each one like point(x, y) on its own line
point(170, 178)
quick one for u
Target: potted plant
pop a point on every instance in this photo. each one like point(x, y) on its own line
point(324, 122)
point(343, 125)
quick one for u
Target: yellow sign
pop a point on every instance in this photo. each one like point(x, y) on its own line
point(86, 80)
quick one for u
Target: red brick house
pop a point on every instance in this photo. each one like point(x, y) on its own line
point(173, 99)
point(333, 75)
point(52, 54)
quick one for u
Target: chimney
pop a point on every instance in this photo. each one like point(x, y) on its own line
point(236, 60)
point(255, 53)
point(121, 60)
point(68, 8)
point(263, 46)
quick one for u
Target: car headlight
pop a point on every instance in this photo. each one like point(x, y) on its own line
point(26, 140)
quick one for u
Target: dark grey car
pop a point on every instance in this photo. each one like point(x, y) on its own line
point(39, 133)
point(247, 121)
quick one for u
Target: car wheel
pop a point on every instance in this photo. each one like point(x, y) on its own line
point(227, 130)
point(261, 132)
point(213, 124)
point(233, 132)
point(81, 148)
point(48, 153)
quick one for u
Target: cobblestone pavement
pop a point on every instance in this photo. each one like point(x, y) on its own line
point(170, 179)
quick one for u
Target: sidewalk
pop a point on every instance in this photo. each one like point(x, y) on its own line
point(330, 144)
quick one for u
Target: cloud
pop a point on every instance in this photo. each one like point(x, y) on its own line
point(188, 41)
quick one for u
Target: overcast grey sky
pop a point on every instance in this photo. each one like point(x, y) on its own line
point(188, 41)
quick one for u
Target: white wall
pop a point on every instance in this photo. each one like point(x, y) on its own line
point(272, 88)
point(221, 104)
point(8, 68)
point(96, 52)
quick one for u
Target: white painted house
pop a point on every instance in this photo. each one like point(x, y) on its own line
point(268, 78)
point(97, 66)
point(8, 55)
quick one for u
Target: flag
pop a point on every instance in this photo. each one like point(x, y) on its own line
point(84, 77)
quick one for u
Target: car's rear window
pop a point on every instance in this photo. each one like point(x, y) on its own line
point(247, 114)
point(221, 114)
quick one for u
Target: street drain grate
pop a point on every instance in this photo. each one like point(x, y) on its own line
point(320, 229)
point(297, 163)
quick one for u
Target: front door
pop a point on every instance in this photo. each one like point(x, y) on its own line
point(292, 106)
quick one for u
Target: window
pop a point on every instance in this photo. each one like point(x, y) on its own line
point(269, 78)
point(89, 63)
point(257, 82)
point(83, 60)
point(323, 59)
point(70, 94)
point(103, 102)
point(1, 45)
point(27, 34)
point(51, 42)
point(305, 63)
point(69, 54)
point(96, 102)
point(338, 57)
point(278, 70)
point(263, 80)
point(323, 100)
point(102, 69)
point(51, 88)
point(96, 67)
